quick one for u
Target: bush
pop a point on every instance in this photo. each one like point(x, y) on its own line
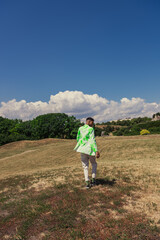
point(154, 130)
point(144, 132)
point(97, 131)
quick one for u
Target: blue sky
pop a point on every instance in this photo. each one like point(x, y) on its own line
point(111, 48)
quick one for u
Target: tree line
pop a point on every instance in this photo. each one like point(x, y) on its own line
point(130, 127)
point(152, 126)
point(60, 125)
point(126, 122)
point(51, 125)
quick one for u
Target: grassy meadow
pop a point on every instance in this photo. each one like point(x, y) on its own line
point(42, 194)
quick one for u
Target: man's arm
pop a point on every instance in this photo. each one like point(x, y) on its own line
point(78, 138)
point(94, 144)
point(78, 135)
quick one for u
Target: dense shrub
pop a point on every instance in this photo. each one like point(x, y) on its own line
point(144, 132)
point(154, 130)
point(7, 133)
point(98, 131)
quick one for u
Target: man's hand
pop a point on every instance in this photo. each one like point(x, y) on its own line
point(97, 154)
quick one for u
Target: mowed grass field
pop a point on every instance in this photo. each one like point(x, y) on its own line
point(42, 194)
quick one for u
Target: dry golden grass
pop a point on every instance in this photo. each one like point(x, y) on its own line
point(26, 157)
point(127, 159)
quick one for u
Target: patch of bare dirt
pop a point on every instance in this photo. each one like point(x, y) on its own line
point(39, 236)
point(145, 203)
point(4, 190)
point(41, 185)
point(91, 212)
point(60, 179)
point(114, 214)
point(4, 213)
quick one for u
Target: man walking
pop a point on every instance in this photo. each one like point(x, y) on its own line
point(86, 145)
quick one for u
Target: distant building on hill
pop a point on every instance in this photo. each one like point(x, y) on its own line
point(156, 117)
point(121, 119)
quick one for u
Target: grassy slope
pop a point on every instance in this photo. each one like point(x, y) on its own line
point(42, 194)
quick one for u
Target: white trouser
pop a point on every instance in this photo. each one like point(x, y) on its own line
point(85, 163)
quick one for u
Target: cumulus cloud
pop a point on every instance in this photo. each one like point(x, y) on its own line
point(81, 106)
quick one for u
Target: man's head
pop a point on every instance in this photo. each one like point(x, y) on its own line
point(90, 121)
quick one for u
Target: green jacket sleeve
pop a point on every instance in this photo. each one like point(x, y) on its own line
point(93, 141)
point(78, 135)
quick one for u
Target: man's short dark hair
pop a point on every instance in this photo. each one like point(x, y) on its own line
point(90, 118)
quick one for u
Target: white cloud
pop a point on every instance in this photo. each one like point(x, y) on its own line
point(81, 106)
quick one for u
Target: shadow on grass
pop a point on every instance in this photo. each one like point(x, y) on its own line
point(105, 181)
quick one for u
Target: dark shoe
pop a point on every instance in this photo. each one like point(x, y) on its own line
point(93, 182)
point(87, 185)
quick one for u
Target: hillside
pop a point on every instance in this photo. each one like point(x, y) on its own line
point(42, 193)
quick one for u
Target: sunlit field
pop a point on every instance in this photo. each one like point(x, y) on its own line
point(42, 193)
